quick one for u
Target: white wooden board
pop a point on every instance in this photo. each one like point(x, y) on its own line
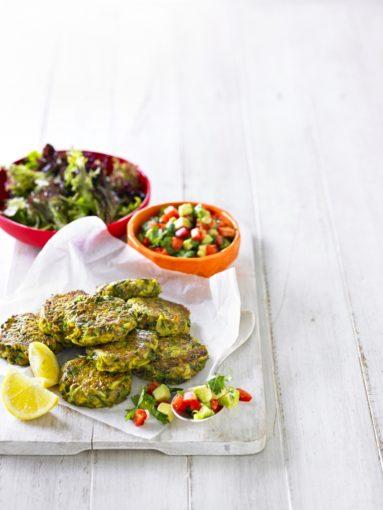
point(242, 431)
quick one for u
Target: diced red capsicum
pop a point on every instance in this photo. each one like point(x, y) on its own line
point(196, 234)
point(171, 212)
point(215, 405)
point(192, 401)
point(177, 243)
point(226, 231)
point(244, 396)
point(211, 249)
point(151, 387)
point(140, 417)
point(179, 404)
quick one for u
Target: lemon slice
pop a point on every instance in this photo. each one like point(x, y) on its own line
point(44, 364)
point(25, 398)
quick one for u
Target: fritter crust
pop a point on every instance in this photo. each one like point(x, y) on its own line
point(129, 288)
point(53, 312)
point(83, 385)
point(135, 351)
point(18, 332)
point(164, 317)
point(95, 320)
point(178, 359)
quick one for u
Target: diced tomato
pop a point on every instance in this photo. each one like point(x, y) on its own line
point(146, 241)
point(171, 212)
point(177, 243)
point(192, 401)
point(162, 225)
point(182, 233)
point(151, 387)
point(226, 231)
point(219, 239)
point(215, 406)
point(196, 234)
point(179, 404)
point(203, 226)
point(211, 249)
point(140, 417)
point(158, 249)
point(244, 396)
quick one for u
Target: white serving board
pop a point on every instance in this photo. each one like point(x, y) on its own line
point(236, 432)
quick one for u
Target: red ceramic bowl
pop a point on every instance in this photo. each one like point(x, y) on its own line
point(201, 266)
point(37, 237)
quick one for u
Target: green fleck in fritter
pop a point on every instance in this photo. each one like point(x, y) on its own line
point(135, 351)
point(163, 316)
point(95, 320)
point(18, 332)
point(53, 312)
point(129, 288)
point(83, 385)
point(179, 358)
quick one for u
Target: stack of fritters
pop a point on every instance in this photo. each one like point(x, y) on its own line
point(160, 349)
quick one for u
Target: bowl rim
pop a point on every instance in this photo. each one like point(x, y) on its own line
point(143, 205)
point(161, 256)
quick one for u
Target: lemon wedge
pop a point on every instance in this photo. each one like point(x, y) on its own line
point(44, 364)
point(25, 398)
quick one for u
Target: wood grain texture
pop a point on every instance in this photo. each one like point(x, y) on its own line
point(320, 387)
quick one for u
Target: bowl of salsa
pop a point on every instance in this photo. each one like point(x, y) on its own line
point(191, 237)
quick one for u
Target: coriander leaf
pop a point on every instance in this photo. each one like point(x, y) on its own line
point(217, 384)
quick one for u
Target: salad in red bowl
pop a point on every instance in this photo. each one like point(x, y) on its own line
point(42, 192)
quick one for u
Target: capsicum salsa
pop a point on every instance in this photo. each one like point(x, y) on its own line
point(187, 231)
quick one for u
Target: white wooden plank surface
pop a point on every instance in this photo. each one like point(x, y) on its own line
point(319, 383)
point(306, 113)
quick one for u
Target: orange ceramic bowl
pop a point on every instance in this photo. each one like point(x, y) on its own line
point(202, 266)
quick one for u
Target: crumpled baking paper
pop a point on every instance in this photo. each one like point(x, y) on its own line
point(83, 255)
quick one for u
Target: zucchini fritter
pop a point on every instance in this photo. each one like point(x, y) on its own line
point(165, 317)
point(53, 312)
point(129, 288)
point(136, 350)
point(83, 385)
point(18, 332)
point(178, 359)
point(95, 320)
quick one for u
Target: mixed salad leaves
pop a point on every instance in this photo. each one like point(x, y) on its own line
point(187, 231)
point(47, 190)
point(198, 403)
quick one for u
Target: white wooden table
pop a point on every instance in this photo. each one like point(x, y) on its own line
point(272, 109)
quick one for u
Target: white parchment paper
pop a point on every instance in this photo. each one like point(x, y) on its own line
point(83, 255)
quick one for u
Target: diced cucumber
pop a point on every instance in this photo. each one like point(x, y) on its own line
point(203, 393)
point(225, 243)
point(189, 244)
point(185, 209)
point(204, 412)
point(166, 408)
point(161, 393)
point(182, 222)
point(201, 251)
point(207, 239)
point(213, 232)
point(230, 399)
